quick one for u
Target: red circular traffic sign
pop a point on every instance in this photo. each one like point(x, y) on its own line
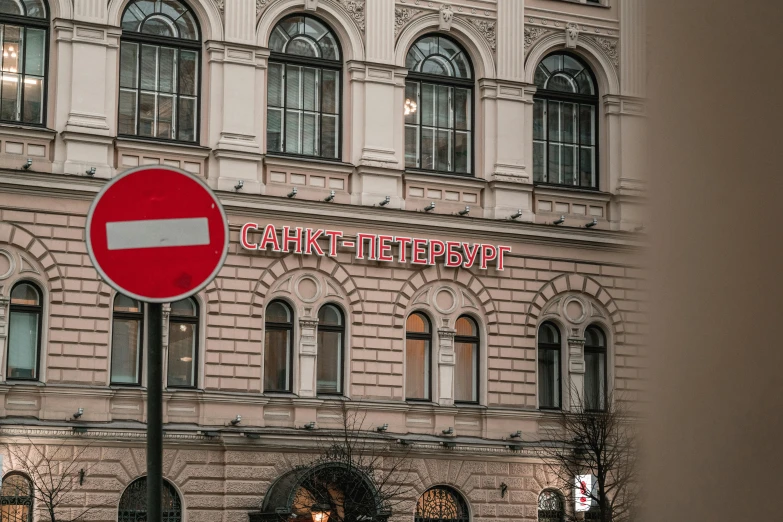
point(157, 234)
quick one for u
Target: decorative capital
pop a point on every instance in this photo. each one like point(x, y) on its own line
point(446, 333)
point(308, 322)
point(446, 17)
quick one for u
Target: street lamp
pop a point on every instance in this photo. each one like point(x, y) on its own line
point(320, 513)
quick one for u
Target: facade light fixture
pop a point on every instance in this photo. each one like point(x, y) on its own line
point(591, 224)
point(252, 435)
point(27, 164)
point(559, 221)
point(383, 428)
point(78, 413)
point(239, 185)
point(517, 215)
point(429, 207)
point(464, 212)
point(236, 420)
point(330, 197)
point(90, 171)
point(516, 435)
point(449, 431)
point(310, 425)
point(385, 202)
point(293, 193)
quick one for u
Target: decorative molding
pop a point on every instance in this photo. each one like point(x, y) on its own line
point(532, 34)
point(581, 27)
point(221, 5)
point(572, 35)
point(403, 15)
point(488, 29)
point(446, 17)
point(610, 47)
point(261, 5)
point(356, 10)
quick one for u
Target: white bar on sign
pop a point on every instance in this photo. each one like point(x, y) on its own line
point(152, 233)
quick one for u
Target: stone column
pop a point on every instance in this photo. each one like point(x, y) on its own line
point(576, 372)
point(4, 301)
point(308, 355)
point(446, 362)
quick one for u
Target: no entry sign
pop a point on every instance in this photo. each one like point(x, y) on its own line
point(157, 234)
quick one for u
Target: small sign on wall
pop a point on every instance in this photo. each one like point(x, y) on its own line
point(584, 485)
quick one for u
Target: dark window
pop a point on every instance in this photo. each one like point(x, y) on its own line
point(439, 107)
point(126, 340)
point(24, 332)
point(441, 504)
point(24, 40)
point(549, 383)
point(183, 344)
point(133, 503)
point(466, 368)
point(418, 346)
point(303, 89)
point(159, 71)
point(331, 340)
point(595, 369)
point(550, 507)
point(16, 497)
point(565, 126)
point(278, 353)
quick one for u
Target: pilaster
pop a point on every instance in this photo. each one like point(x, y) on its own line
point(446, 362)
point(380, 31)
point(308, 353)
point(511, 40)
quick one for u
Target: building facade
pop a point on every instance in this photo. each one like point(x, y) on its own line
point(434, 211)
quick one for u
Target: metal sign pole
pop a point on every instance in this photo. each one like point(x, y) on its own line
point(154, 412)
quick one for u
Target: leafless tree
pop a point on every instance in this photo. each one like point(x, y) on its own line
point(55, 471)
point(605, 445)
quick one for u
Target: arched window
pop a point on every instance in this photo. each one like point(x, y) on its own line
point(183, 344)
point(549, 385)
point(466, 353)
point(441, 504)
point(595, 369)
point(24, 332)
point(303, 94)
point(16, 498)
point(550, 507)
point(418, 346)
point(24, 29)
point(439, 107)
point(133, 503)
point(278, 353)
point(159, 71)
point(331, 339)
point(564, 123)
point(126, 340)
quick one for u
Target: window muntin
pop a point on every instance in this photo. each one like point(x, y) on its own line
point(418, 357)
point(466, 353)
point(549, 367)
point(595, 369)
point(24, 332)
point(439, 107)
point(441, 504)
point(564, 123)
point(23, 61)
point(126, 340)
point(278, 352)
point(16, 498)
point(133, 503)
point(183, 344)
point(550, 507)
point(331, 341)
point(159, 71)
point(303, 89)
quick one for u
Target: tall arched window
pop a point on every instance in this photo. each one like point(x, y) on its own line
point(418, 346)
point(16, 498)
point(441, 504)
point(24, 29)
point(439, 107)
point(24, 332)
point(550, 507)
point(549, 385)
point(133, 503)
point(159, 71)
point(564, 123)
point(331, 339)
point(183, 344)
point(595, 369)
point(278, 352)
point(303, 94)
point(126, 340)
point(466, 367)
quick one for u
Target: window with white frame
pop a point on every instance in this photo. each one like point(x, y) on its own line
point(24, 332)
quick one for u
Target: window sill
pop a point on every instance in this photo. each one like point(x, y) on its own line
point(164, 146)
point(28, 382)
point(469, 405)
point(279, 158)
point(27, 131)
point(439, 174)
point(604, 3)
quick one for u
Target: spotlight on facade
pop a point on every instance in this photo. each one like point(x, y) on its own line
point(239, 185)
point(385, 201)
point(27, 164)
point(559, 221)
point(429, 207)
point(404, 442)
point(79, 430)
point(252, 435)
point(516, 435)
point(90, 171)
point(383, 428)
point(517, 215)
point(515, 447)
point(293, 193)
point(78, 413)
point(330, 197)
point(310, 425)
point(591, 224)
point(449, 431)
point(236, 420)
point(320, 512)
point(448, 444)
point(464, 212)
point(211, 434)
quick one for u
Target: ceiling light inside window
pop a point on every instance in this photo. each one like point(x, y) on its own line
point(186, 359)
point(410, 107)
point(183, 328)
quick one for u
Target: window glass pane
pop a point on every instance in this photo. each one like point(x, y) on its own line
point(167, 69)
point(427, 106)
point(411, 146)
point(587, 167)
point(12, 48)
point(554, 164)
point(186, 119)
point(541, 77)
point(427, 149)
point(310, 134)
point(278, 39)
point(586, 124)
point(184, 307)
point(310, 93)
point(411, 101)
point(585, 83)
point(329, 362)
point(33, 100)
point(466, 327)
point(465, 372)
point(417, 368)
point(129, 64)
point(293, 86)
point(277, 312)
point(123, 303)
point(147, 114)
point(444, 107)
point(549, 378)
point(329, 136)
point(187, 28)
point(274, 94)
point(571, 65)
point(301, 46)
point(553, 111)
point(149, 67)
point(462, 152)
point(25, 294)
point(188, 73)
point(35, 51)
point(9, 97)
point(437, 65)
point(443, 150)
point(274, 130)
point(417, 323)
point(12, 7)
point(329, 49)
point(182, 354)
point(330, 315)
point(165, 117)
point(568, 165)
point(462, 112)
point(595, 380)
point(462, 66)
point(539, 122)
point(125, 350)
point(331, 92)
point(276, 357)
point(539, 161)
point(158, 26)
point(568, 122)
point(292, 128)
point(23, 345)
